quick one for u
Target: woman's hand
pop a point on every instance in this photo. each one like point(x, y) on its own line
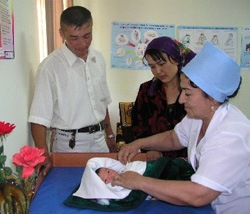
point(129, 180)
point(153, 155)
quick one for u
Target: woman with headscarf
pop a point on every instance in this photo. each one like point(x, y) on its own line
point(156, 107)
point(216, 134)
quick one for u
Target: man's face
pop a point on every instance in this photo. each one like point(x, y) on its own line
point(78, 39)
point(107, 175)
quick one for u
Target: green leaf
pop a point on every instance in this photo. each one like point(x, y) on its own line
point(1, 149)
point(2, 159)
point(2, 178)
point(7, 171)
point(33, 175)
point(19, 170)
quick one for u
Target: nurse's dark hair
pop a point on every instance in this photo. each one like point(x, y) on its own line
point(237, 90)
point(75, 16)
point(231, 96)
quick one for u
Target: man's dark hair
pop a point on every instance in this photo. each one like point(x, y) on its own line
point(75, 16)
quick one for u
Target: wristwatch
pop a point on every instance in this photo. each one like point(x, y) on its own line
point(110, 136)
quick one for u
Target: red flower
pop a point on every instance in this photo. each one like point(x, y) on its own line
point(28, 157)
point(6, 128)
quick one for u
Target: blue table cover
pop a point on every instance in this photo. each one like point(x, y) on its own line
point(60, 183)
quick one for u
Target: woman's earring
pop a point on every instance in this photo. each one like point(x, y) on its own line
point(212, 108)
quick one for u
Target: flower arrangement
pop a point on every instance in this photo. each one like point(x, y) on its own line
point(5, 129)
point(17, 188)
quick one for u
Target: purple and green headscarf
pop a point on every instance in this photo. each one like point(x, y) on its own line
point(173, 49)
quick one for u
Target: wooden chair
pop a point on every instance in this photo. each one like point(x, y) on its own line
point(124, 128)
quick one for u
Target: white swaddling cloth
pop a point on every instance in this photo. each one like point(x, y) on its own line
point(93, 187)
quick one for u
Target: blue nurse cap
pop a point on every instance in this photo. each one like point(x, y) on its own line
point(214, 72)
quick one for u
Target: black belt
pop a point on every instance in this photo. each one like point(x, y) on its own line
point(89, 129)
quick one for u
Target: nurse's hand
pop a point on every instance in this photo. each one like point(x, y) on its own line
point(128, 180)
point(128, 151)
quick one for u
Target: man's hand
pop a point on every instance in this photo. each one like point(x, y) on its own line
point(45, 167)
point(128, 151)
point(39, 134)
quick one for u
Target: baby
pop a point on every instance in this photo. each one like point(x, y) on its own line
point(106, 174)
point(98, 175)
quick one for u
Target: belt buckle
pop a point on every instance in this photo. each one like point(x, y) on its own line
point(92, 129)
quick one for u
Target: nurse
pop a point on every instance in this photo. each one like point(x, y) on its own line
point(216, 134)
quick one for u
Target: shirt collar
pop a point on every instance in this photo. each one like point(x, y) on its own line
point(91, 56)
point(71, 57)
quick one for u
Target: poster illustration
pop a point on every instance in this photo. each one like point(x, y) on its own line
point(224, 38)
point(129, 41)
point(245, 47)
point(6, 29)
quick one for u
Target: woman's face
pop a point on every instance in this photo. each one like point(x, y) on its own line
point(107, 175)
point(165, 71)
point(197, 104)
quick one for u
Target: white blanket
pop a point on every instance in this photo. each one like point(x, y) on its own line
point(92, 187)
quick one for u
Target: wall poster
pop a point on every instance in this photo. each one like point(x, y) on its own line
point(129, 41)
point(6, 29)
point(245, 47)
point(224, 38)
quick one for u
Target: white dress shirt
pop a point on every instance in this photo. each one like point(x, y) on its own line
point(70, 93)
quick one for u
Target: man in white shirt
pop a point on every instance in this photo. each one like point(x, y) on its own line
point(71, 93)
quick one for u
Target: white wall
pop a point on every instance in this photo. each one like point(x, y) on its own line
point(124, 83)
point(17, 76)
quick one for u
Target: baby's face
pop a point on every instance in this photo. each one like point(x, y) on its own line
point(107, 175)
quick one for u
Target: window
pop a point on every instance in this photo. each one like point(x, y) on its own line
point(41, 17)
point(48, 12)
